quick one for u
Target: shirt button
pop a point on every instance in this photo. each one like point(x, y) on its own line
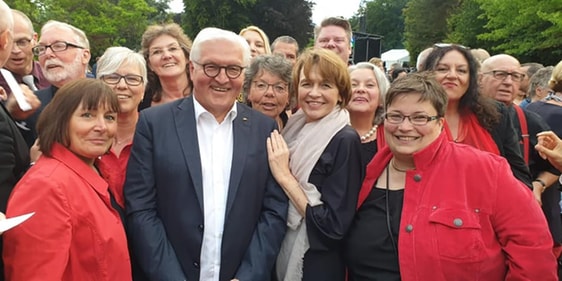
point(457, 222)
point(409, 228)
point(417, 178)
point(477, 210)
point(434, 208)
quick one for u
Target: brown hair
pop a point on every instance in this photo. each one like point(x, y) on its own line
point(422, 83)
point(336, 21)
point(154, 87)
point(329, 65)
point(52, 126)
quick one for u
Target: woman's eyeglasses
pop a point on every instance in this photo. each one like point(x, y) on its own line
point(130, 79)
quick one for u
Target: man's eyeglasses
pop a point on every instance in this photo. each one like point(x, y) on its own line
point(502, 75)
point(416, 120)
point(22, 43)
point(212, 70)
point(130, 79)
point(58, 46)
point(278, 88)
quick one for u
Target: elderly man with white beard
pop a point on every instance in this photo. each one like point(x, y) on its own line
point(64, 52)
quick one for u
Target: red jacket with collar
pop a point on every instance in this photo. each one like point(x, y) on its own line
point(465, 217)
point(75, 234)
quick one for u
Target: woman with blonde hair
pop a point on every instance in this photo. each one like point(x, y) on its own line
point(166, 50)
point(257, 39)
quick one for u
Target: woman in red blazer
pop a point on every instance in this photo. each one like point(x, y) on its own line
point(432, 209)
point(75, 233)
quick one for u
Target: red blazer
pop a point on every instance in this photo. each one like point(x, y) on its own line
point(75, 234)
point(466, 217)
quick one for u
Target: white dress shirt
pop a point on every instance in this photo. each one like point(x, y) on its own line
point(215, 148)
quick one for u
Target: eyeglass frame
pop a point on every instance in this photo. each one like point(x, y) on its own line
point(506, 73)
point(103, 77)
point(239, 68)
point(409, 117)
point(285, 87)
point(50, 46)
point(18, 42)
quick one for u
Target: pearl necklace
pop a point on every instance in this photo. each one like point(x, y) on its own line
point(369, 133)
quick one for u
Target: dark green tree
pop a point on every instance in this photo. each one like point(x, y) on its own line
point(290, 17)
point(385, 18)
point(226, 14)
point(466, 22)
point(426, 23)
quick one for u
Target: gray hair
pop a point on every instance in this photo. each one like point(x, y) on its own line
point(285, 39)
point(6, 20)
point(539, 79)
point(79, 35)
point(273, 64)
point(213, 34)
point(382, 83)
point(115, 57)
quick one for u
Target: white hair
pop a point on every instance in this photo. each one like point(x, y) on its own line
point(213, 33)
point(114, 57)
point(6, 18)
point(79, 35)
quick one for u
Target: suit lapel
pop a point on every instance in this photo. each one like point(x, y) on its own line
point(184, 118)
point(241, 130)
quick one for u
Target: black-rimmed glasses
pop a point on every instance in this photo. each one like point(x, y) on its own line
point(212, 70)
point(58, 46)
point(130, 79)
point(502, 75)
point(278, 88)
point(416, 120)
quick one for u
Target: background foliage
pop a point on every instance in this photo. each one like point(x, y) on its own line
point(527, 29)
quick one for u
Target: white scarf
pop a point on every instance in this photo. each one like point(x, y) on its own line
point(306, 142)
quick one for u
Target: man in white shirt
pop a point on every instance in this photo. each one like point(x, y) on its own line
point(201, 202)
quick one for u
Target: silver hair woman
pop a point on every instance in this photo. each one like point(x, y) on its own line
point(267, 86)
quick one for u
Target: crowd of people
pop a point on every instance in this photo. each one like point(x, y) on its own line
point(228, 158)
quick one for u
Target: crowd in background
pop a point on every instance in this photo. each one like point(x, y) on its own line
point(228, 157)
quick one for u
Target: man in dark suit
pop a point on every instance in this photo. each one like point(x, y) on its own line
point(201, 202)
point(14, 155)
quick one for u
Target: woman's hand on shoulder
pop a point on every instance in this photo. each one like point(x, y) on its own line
point(278, 156)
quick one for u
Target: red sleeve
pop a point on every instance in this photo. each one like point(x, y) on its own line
point(38, 249)
point(522, 230)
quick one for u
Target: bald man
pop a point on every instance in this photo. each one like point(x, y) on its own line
point(500, 79)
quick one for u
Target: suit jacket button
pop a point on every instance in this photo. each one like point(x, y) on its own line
point(196, 264)
point(417, 178)
point(201, 227)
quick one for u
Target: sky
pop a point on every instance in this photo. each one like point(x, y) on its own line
point(322, 9)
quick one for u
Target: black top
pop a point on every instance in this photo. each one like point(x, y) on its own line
point(368, 151)
point(338, 176)
point(369, 251)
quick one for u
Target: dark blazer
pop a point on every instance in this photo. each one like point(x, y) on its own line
point(164, 197)
point(28, 126)
point(506, 138)
point(14, 161)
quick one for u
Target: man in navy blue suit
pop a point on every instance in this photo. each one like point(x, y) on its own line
point(201, 202)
